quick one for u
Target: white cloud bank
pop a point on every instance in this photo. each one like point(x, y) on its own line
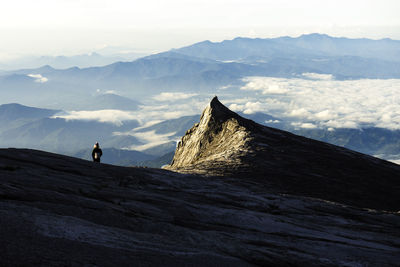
point(267, 87)
point(38, 78)
point(306, 125)
point(248, 107)
point(173, 96)
point(325, 102)
point(106, 115)
point(317, 76)
point(145, 115)
point(149, 138)
point(397, 161)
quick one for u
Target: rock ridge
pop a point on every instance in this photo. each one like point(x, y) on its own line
point(226, 144)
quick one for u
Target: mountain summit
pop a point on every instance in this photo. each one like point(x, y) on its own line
point(217, 141)
point(225, 144)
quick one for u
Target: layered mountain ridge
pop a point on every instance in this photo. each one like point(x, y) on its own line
point(225, 144)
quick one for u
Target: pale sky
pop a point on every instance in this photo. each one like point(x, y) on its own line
point(55, 27)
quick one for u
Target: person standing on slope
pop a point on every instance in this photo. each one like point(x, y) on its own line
point(96, 153)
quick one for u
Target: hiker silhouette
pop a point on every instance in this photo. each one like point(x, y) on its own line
point(96, 153)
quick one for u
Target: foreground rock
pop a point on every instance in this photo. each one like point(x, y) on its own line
point(61, 211)
point(225, 144)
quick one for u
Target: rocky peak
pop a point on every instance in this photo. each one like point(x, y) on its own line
point(217, 111)
point(225, 144)
point(217, 139)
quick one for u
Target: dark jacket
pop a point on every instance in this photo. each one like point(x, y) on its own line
point(96, 154)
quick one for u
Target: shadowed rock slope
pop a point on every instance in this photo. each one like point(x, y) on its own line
point(225, 144)
point(62, 211)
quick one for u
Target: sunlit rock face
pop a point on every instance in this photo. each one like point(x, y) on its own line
point(225, 144)
point(217, 140)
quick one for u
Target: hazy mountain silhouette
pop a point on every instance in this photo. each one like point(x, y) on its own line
point(303, 46)
point(107, 101)
point(16, 111)
point(64, 62)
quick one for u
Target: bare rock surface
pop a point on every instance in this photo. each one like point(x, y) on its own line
point(225, 144)
point(62, 211)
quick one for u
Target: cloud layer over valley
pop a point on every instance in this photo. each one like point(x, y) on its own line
point(148, 138)
point(38, 78)
point(173, 96)
point(147, 114)
point(319, 101)
point(310, 101)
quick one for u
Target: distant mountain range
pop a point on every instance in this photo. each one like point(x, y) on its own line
point(314, 45)
point(205, 66)
point(106, 101)
point(65, 62)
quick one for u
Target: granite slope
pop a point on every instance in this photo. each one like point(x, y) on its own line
point(62, 211)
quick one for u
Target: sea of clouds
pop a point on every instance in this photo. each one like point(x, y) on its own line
point(309, 101)
point(150, 112)
point(319, 101)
